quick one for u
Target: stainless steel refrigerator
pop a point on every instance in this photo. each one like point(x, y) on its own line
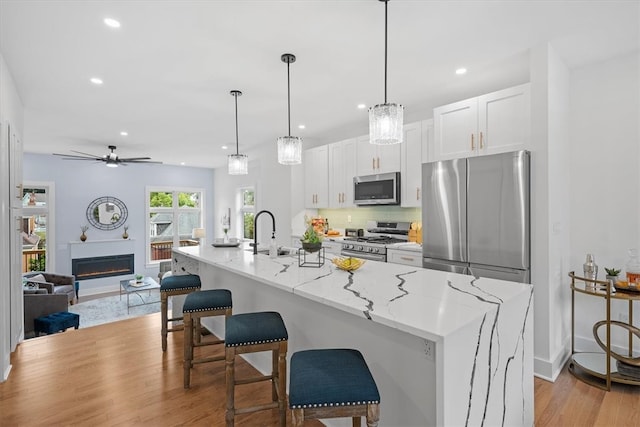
point(475, 216)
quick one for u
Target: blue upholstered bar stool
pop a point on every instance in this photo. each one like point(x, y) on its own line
point(171, 286)
point(251, 333)
point(207, 303)
point(332, 383)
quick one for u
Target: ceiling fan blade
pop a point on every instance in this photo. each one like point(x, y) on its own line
point(139, 161)
point(132, 159)
point(74, 157)
point(86, 154)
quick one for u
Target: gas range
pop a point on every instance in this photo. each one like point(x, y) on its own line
point(373, 245)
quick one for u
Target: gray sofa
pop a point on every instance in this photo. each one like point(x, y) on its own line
point(62, 284)
point(41, 302)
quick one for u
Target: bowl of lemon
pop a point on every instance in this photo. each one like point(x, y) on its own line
point(348, 264)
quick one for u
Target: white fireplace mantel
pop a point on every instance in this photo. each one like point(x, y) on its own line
point(94, 248)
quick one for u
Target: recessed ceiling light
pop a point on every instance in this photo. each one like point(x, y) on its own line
point(110, 22)
point(96, 80)
point(362, 106)
point(124, 133)
point(301, 126)
point(461, 71)
point(182, 163)
point(224, 147)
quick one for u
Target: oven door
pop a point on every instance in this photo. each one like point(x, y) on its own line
point(364, 255)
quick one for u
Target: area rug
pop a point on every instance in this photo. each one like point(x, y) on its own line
point(113, 308)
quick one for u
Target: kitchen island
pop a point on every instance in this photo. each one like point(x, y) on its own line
point(444, 349)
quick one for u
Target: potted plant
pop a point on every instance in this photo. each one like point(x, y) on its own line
point(612, 274)
point(311, 239)
point(139, 278)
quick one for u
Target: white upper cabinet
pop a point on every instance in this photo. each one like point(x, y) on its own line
point(342, 169)
point(316, 177)
point(493, 123)
point(375, 159)
point(413, 150)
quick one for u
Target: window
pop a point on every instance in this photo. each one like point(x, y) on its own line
point(37, 215)
point(247, 211)
point(172, 215)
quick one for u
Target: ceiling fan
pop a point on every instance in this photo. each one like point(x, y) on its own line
point(111, 159)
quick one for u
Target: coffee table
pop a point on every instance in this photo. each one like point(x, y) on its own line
point(132, 287)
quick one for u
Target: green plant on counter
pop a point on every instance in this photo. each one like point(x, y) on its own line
point(310, 235)
point(612, 271)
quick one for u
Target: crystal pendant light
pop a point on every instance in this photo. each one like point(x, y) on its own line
point(386, 120)
point(238, 163)
point(289, 147)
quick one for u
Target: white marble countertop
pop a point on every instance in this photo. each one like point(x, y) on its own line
point(427, 303)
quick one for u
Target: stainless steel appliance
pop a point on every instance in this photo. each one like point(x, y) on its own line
point(353, 232)
point(373, 245)
point(379, 189)
point(475, 216)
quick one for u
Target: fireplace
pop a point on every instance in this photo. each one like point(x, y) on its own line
point(102, 266)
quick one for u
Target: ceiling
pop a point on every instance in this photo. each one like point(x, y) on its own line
point(169, 68)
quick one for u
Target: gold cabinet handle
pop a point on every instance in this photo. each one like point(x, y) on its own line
point(378, 162)
point(406, 258)
point(481, 144)
point(473, 145)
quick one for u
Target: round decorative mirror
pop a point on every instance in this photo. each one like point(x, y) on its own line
point(107, 213)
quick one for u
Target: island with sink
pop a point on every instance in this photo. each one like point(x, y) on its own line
point(444, 348)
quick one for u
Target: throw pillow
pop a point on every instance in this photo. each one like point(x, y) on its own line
point(37, 278)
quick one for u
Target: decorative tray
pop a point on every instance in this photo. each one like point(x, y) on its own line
point(626, 288)
point(137, 284)
point(225, 245)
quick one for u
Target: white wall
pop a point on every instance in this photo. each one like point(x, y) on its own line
point(79, 183)
point(549, 206)
point(605, 171)
point(11, 112)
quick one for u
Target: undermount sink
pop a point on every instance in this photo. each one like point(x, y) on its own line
point(281, 251)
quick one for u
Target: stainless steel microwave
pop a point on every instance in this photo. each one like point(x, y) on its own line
point(379, 189)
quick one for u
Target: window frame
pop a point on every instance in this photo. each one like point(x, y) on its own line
point(244, 209)
point(175, 210)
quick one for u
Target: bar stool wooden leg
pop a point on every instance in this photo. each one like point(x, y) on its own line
point(282, 382)
point(230, 354)
point(373, 415)
point(188, 348)
point(164, 307)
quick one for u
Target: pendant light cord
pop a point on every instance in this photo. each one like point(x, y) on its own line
point(288, 100)
point(235, 95)
point(385, 50)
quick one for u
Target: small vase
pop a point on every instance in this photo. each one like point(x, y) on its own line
point(125, 235)
point(614, 279)
point(83, 237)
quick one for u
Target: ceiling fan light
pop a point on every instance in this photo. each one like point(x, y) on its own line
point(290, 150)
point(238, 164)
point(111, 163)
point(385, 124)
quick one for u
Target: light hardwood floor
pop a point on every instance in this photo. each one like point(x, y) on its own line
point(117, 375)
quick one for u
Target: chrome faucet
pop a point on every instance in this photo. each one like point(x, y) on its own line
point(255, 229)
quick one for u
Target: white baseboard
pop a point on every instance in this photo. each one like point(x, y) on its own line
point(5, 374)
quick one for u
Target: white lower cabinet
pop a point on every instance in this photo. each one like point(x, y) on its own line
point(399, 256)
point(332, 247)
